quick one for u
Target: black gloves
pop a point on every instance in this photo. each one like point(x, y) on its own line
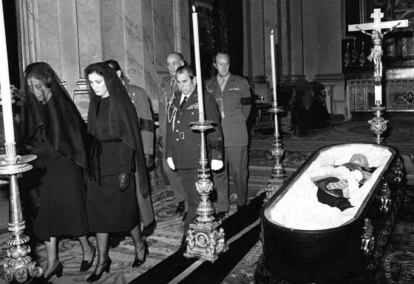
point(123, 181)
point(149, 161)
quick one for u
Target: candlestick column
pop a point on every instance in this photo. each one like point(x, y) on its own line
point(18, 266)
point(203, 238)
point(278, 171)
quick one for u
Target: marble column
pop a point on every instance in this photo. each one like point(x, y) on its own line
point(69, 56)
point(292, 40)
point(254, 46)
point(88, 41)
point(328, 48)
point(89, 31)
point(27, 13)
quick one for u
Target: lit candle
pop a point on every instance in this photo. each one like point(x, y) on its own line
point(273, 63)
point(378, 95)
point(272, 56)
point(5, 84)
point(198, 66)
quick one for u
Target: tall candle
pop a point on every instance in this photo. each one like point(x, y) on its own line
point(273, 63)
point(5, 84)
point(378, 95)
point(198, 66)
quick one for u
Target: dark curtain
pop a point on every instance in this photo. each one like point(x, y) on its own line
point(10, 23)
point(234, 31)
point(220, 29)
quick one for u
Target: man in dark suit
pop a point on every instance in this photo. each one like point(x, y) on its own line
point(233, 97)
point(183, 144)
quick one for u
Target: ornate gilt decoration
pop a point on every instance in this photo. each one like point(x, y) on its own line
point(385, 198)
point(278, 152)
point(19, 266)
point(398, 169)
point(367, 237)
point(378, 124)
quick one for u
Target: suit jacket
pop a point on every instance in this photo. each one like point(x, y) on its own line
point(234, 103)
point(142, 106)
point(183, 144)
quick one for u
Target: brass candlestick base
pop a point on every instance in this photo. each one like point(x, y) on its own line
point(378, 124)
point(19, 266)
point(203, 238)
point(278, 171)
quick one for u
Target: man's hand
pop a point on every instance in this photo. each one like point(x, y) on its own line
point(170, 163)
point(149, 161)
point(123, 181)
point(216, 164)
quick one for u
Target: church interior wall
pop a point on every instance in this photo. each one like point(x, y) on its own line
point(69, 35)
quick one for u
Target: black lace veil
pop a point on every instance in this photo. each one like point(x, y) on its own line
point(122, 119)
point(64, 127)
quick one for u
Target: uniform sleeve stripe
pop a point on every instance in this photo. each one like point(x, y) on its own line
point(146, 124)
point(245, 101)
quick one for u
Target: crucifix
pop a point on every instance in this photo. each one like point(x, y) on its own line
point(376, 52)
point(378, 123)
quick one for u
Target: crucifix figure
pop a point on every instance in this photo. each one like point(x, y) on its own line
point(377, 36)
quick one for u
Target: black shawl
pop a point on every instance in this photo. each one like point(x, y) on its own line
point(64, 127)
point(122, 119)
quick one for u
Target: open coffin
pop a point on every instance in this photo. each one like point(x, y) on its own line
point(309, 239)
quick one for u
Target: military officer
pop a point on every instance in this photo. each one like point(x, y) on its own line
point(232, 94)
point(168, 86)
point(142, 106)
point(183, 144)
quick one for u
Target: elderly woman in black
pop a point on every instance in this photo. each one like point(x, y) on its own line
point(111, 201)
point(52, 128)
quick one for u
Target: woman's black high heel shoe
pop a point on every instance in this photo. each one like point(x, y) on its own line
point(138, 262)
point(57, 271)
point(106, 268)
point(85, 265)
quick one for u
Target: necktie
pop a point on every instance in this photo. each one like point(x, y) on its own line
point(183, 101)
point(222, 83)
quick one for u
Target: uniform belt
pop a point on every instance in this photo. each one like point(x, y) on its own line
point(181, 135)
point(111, 140)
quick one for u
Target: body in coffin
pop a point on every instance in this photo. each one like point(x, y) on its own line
point(297, 251)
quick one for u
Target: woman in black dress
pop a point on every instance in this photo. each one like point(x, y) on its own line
point(52, 129)
point(111, 201)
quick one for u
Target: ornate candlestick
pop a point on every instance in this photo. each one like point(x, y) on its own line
point(203, 238)
point(378, 124)
point(19, 265)
point(278, 171)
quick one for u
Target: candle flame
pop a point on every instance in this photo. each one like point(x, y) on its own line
point(194, 10)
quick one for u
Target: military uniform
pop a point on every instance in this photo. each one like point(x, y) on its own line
point(234, 106)
point(183, 144)
point(168, 87)
point(142, 106)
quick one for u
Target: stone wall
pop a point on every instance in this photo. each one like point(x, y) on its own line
point(71, 34)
